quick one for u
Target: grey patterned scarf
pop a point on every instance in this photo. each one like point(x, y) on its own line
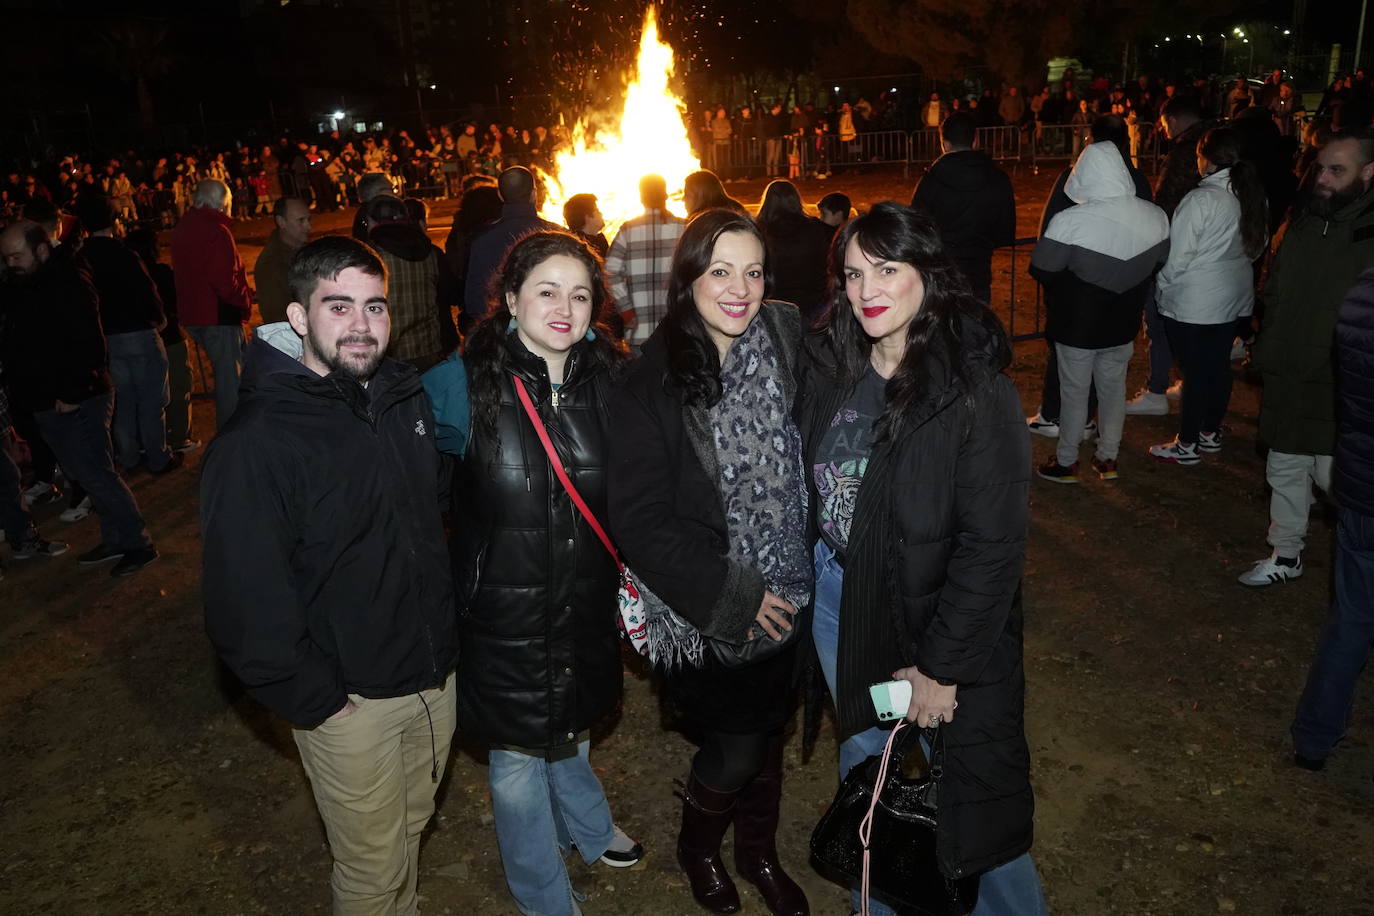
point(762, 487)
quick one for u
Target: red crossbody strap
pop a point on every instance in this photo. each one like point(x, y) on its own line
point(557, 464)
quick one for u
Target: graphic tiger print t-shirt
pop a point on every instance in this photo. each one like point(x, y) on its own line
point(842, 458)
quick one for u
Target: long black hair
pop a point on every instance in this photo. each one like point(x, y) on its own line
point(1222, 146)
point(781, 200)
point(693, 360)
point(937, 335)
point(485, 354)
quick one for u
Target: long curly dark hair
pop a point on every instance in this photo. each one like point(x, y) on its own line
point(893, 232)
point(485, 354)
point(693, 361)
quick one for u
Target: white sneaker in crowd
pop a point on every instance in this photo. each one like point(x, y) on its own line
point(1177, 452)
point(1147, 403)
point(1042, 427)
point(1272, 569)
point(78, 512)
point(40, 494)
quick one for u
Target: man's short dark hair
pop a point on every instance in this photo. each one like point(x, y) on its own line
point(958, 130)
point(280, 204)
point(96, 212)
point(42, 211)
point(1182, 106)
point(653, 191)
point(385, 209)
point(577, 210)
point(835, 202)
point(516, 185)
point(325, 259)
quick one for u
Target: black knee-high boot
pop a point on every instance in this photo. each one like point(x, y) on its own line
point(706, 814)
point(756, 828)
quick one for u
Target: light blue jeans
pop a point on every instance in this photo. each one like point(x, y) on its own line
point(1012, 889)
point(542, 808)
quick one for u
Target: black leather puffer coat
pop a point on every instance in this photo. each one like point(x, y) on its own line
point(536, 589)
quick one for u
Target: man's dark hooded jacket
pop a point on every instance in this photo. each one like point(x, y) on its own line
point(971, 201)
point(325, 567)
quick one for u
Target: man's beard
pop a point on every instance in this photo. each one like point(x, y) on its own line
point(358, 368)
point(1327, 207)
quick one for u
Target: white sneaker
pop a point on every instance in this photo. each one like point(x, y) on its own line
point(1042, 427)
point(1089, 431)
point(40, 494)
point(1147, 403)
point(1177, 452)
point(1269, 571)
point(623, 851)
point(1209, 442)
point(78, 512)
point(1175, 391)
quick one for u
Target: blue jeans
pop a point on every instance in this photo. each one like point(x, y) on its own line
point(542, 807)
point(15, 520)
point(138, 365)
point(81, 441)
point(1161, 357)
point(1325, 710)
point(223, 344)
point(1012, 889)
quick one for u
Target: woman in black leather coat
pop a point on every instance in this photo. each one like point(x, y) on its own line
point(539, 647)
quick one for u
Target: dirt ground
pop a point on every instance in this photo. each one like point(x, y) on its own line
point(138, 779)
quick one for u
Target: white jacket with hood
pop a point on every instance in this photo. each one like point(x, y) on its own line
point(1097, 259)
point(1208, 278)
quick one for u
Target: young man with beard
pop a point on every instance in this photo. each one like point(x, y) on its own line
point(326, 576)
point(1322, 249)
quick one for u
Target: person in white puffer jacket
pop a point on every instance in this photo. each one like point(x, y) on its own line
point(1207, 283)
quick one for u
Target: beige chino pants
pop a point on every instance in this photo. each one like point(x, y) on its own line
point(370, 773)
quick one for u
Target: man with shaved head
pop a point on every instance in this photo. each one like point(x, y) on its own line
point(1325, 246)
point(56, 365)
point(519, 215)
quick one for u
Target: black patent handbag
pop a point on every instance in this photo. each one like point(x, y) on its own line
point(899, 836)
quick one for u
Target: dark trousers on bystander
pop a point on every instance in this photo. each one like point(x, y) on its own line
point(1203, 353)
point(1325, 710)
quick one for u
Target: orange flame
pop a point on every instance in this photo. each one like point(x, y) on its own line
point(650, 137)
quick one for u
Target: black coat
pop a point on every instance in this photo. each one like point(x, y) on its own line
point(971, 201)
point(1354, 464)
point(537, 605)
point(129, 300)
point(668, 519)
point(325, 571)
point(933, 579)
point(798, 248)
point(53, 346)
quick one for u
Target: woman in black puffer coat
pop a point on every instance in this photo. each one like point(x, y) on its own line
point(536, 589)
point(919, 467)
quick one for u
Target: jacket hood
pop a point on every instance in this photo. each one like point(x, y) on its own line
point(403, 240)
point(275, 349)
point(963, 170)
point(1100, 173)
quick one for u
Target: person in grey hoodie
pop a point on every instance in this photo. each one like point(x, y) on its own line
point(1097, 261)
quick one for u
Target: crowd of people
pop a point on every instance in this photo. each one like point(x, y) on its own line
point(714, 424)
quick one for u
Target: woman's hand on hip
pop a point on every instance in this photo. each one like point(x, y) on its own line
point(931, 702)
point(775, 615)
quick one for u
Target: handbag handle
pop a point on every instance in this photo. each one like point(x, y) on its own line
point(893, 752)
point(557, 464)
